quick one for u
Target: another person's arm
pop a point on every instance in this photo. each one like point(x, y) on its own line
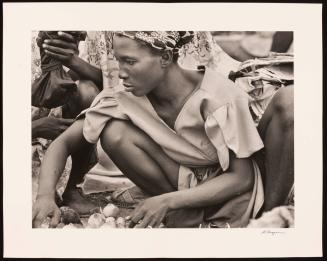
point(237, 180)
point(49, 127)
point(282, 41)
point(51, 169)
point(65, 49)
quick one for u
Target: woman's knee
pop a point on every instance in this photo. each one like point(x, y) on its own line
point(283, 106)
point(114, 135)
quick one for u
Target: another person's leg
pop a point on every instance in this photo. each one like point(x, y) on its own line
point(81, 99)
point(82, 162)
point(277, 131)
point(139, 157)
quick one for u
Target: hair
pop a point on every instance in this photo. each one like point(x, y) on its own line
point(185, 37)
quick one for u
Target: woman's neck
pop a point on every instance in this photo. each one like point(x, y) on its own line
point(177, 85)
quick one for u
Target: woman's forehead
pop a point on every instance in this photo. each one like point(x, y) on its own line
point(124, 46)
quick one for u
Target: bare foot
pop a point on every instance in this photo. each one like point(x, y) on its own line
point(74, 199)
point(132, 195)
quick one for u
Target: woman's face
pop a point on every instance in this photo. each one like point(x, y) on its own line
point(139, 68)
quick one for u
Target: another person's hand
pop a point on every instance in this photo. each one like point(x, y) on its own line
point(50, 127)
point(149, 213)
point(64, 49)
point(44, 207)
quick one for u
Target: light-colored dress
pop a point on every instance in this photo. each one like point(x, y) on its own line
point(214, 119)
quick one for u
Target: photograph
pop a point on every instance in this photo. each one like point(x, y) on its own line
point(170, 129)
point(156, 130)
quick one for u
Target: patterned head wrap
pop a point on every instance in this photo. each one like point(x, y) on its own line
point(161, 40)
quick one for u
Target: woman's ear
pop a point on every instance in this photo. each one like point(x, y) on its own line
point(166, 58)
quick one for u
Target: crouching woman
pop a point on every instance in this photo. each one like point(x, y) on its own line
point(184, 137)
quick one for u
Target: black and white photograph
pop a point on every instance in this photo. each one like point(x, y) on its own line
point(145, 131)
point(163, 129)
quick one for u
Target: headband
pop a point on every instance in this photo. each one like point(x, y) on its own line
point(160, 40)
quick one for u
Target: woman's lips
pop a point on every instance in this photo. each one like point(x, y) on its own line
point(128, 87)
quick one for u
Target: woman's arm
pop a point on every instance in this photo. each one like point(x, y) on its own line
point(65, 49)
point(56, 156)
point(52, 167)
point(237, 180)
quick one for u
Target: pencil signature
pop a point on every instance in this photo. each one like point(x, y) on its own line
point(273, 233)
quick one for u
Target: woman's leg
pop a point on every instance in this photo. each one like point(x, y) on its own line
point(276, 128)
point(139, 157)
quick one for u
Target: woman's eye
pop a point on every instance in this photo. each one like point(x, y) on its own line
point(129, 62)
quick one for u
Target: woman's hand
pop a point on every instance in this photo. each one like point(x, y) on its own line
point(150, 212)
point(44, 207)
point(50, 127)
point(64, 49)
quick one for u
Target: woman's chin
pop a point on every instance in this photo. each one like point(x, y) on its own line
point(137, 94)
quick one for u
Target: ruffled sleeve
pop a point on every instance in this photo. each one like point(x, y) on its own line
point(104, 107)
point(231, 127)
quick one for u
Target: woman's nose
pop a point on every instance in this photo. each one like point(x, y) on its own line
point(122, 74)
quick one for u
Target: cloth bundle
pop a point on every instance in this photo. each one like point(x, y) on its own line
point(54, 87)
point(261, 78)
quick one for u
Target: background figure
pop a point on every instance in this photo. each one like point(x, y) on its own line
point(48, 124)
point(282, 42)
point(55, 86)
point(272, 106)
point(243, 46)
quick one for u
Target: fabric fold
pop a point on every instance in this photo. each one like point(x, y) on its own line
point(231, 127)
point(103, 108)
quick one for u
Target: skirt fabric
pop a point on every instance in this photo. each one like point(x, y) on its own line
point(234, 213)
